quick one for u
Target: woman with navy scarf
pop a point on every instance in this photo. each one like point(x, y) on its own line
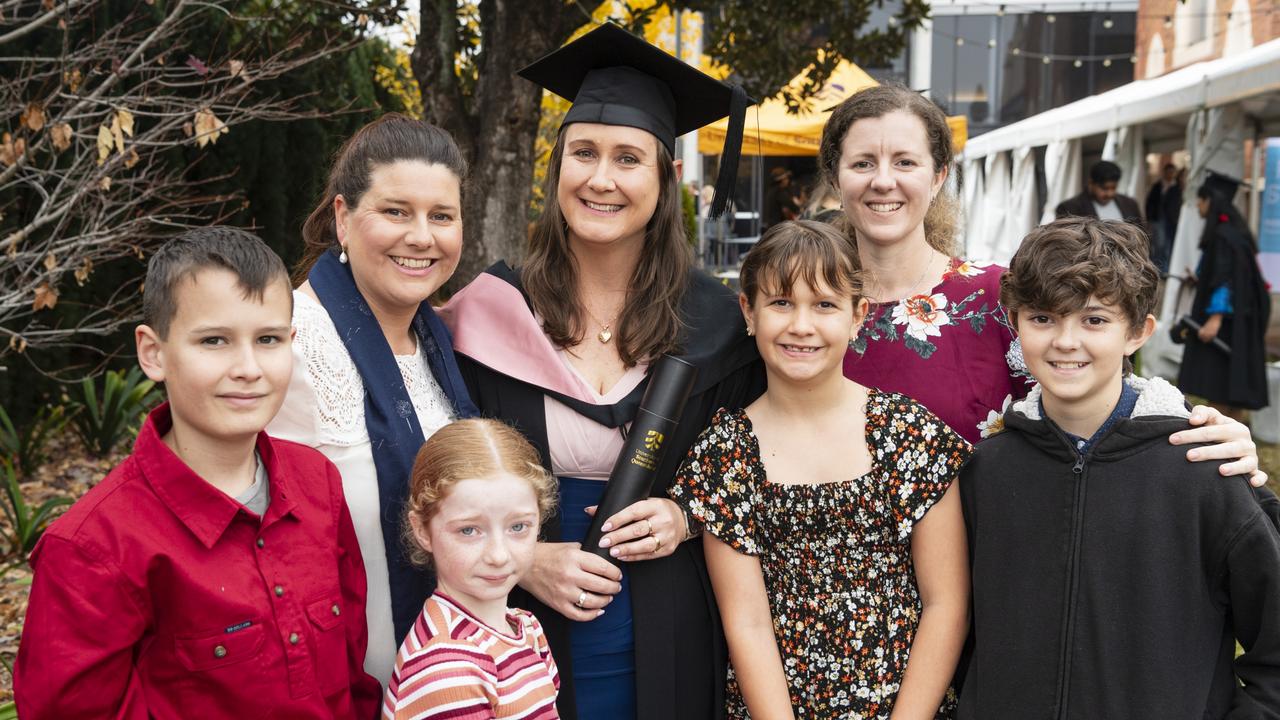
point(374, 371)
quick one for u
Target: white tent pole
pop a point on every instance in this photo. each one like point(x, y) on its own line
point(1022, 200)
point(976, 241)
point(1062, 173)
point(996, 206)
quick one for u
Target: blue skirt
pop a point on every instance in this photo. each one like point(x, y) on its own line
point(603, 650)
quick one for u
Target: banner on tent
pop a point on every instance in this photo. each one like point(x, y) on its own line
point(1269, 227)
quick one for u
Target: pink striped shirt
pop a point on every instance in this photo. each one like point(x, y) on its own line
point(454, 666)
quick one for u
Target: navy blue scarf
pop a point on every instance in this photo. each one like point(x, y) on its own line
point(394, 430)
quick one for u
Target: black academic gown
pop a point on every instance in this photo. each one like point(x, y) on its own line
point(1238, 379)
point(680, 652)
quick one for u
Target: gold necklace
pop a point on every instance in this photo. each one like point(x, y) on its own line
point(605, 335)
point(911, 291)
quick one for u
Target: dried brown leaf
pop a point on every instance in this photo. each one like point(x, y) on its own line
point(10, 151)
point(46, 4)
point(105, 183)
point(105, 141)
point(236, 67)
point(33, 117)
point(61, 135)
point(73, 80)
point(208, 127)
point(125, 119)
point(50, 262)
point(46, 297)
point(117, 135)
point(188, 129)
point(131, 158)
point(82, 273)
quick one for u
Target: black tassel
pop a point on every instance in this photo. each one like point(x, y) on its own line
point(727, 178)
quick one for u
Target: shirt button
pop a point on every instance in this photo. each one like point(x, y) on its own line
point(219, 652)
point(279, 591)
point(261, 542)
point(335, 609)
point(293, 638)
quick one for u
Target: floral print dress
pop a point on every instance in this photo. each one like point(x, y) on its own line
point(951, 348)
point(836, 557)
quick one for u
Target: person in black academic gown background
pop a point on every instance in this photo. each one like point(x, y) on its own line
point(561, 347)
point(1231, 303)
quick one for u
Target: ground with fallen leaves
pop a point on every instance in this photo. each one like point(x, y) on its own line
point(70, 474)
point(76, 471)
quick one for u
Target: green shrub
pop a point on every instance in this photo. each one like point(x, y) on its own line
point(27, 522)
point(689, 209)
point(26, 449)
point(9, 711)
point(103, 420)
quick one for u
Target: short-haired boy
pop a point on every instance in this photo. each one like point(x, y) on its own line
point(215, 572)
point(1111, 577)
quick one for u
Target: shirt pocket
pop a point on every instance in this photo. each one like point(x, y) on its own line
point(328, 628)
point(214, 649)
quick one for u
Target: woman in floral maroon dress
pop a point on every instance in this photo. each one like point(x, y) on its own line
point(935, 330)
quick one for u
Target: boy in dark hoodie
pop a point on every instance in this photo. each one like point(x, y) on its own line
point(1111, 577)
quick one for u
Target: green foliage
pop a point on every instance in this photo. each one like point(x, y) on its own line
point(9, 711)
point(27, 523)
point(103, 419)
point(689, 205)
point(26, 448)
point(768, 42)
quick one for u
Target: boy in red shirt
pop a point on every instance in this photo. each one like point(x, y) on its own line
point(215, 572)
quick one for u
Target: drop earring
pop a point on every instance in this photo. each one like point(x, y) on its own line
point(342, 256)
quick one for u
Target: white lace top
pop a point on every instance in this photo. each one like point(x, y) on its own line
point(324, 408)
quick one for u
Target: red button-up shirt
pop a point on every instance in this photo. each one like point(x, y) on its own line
point(157, 595)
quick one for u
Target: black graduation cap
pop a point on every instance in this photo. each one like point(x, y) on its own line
point(1224, 186)
point(615, 78)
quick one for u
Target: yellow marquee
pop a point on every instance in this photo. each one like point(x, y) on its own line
point(771, 130)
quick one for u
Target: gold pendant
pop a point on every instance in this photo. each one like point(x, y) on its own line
point(605, 336)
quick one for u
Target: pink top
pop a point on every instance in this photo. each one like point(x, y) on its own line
point(580, 447)
point(452, 665)
point(945, 349)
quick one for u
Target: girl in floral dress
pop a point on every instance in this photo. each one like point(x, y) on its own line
point(833, 541)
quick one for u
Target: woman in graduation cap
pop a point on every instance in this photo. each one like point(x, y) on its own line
point(1231, 304)
point(561, 348)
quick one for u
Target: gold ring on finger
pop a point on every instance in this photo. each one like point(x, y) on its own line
point(657, 540)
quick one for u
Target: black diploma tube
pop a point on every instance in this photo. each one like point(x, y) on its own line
point(632, 475)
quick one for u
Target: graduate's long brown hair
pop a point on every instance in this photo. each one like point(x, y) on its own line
point(650, 323)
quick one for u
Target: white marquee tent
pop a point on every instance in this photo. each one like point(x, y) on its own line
point(1208, 108)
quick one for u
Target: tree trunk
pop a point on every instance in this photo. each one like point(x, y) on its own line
point(496, 124)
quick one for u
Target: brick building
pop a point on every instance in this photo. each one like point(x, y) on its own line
point(1175, 33)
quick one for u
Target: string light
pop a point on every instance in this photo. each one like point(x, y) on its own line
point(1078, 61)
point(1000, 11)
point(1051, 18)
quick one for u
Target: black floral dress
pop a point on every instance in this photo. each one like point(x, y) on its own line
point(836, 557)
